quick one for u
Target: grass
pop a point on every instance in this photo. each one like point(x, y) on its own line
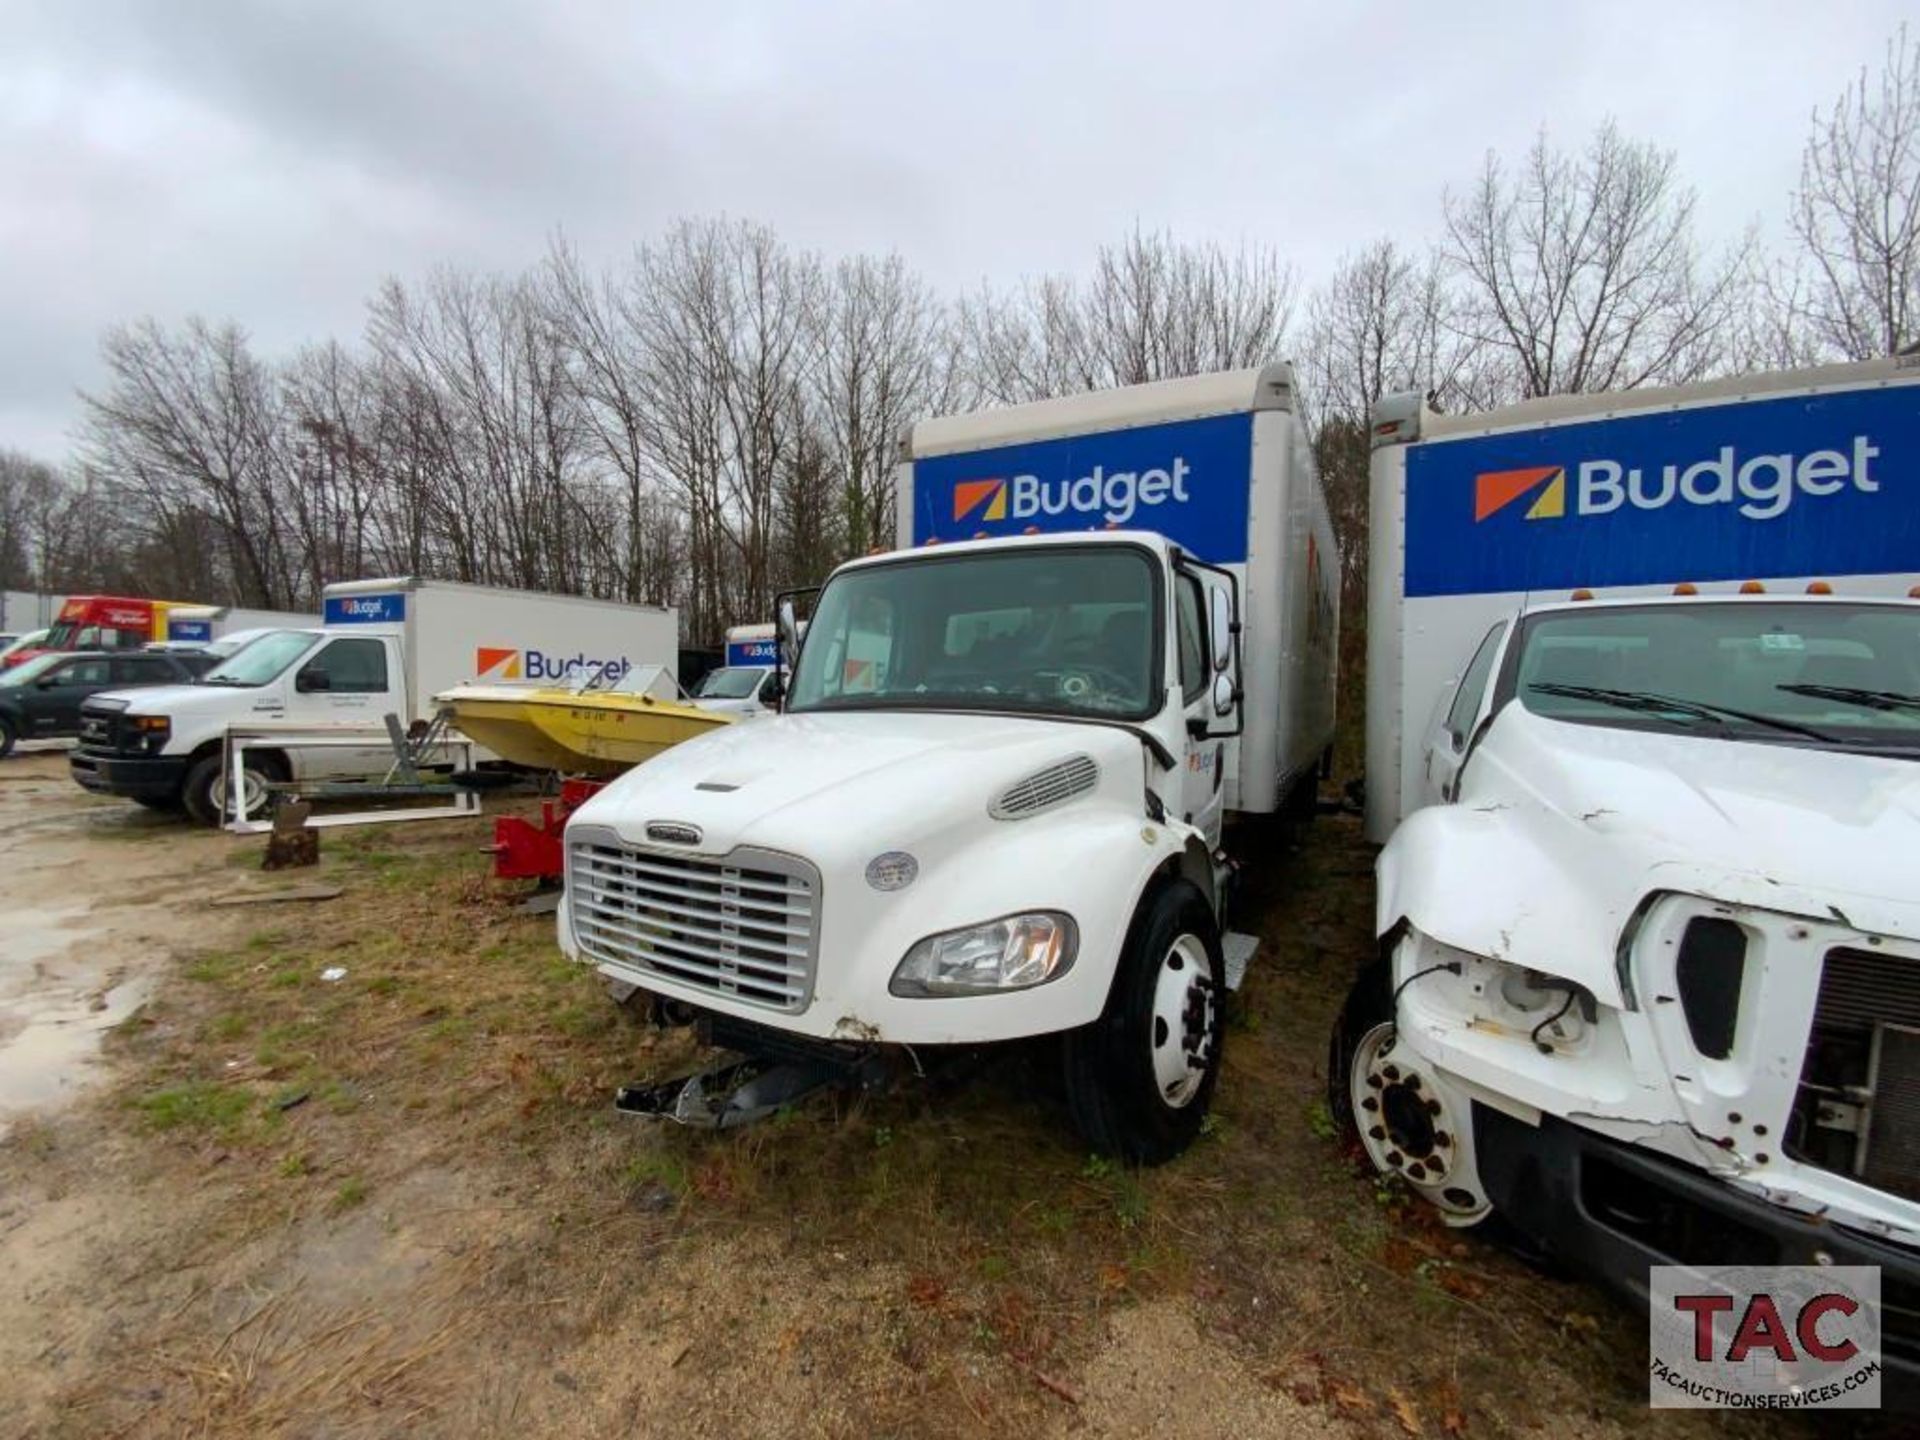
point(199, 1105)
point(951, 1234)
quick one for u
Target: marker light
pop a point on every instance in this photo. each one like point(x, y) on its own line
point(1581, 595)
point(1819, 587)
point(1914, 593)
point(1686, 587)
point(1752, 587)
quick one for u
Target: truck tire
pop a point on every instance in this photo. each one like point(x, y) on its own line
point(164, 804)
point(1140, 1078)
point(7, 737)
point(203, 796)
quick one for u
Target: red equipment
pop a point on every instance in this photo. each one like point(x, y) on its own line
point(524, 850)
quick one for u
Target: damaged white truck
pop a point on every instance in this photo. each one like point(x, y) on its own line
point(1643, 744)
point(992, 805)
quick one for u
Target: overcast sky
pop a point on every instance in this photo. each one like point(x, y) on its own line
point(269, 161)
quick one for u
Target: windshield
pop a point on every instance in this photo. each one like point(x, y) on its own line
point(28, 670)
point(1055, 631)
point(261, 660)
point(1826, 673)
point(733, 682)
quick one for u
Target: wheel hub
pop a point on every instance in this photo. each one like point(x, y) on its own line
point(1181, 1035)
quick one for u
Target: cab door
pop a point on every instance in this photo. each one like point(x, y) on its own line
point(1457, 720)
point(53, 706)
point(351, 680)
point(1204, 773)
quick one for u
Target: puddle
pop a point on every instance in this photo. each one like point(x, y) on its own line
point(45, 1061)
point(53, 1007)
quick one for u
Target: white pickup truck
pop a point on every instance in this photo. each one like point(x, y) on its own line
point(992, 806)
point(1648, 988)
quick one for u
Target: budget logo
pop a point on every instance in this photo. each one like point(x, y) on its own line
point(1756, 487)
point(1495, 490)
point(989, 497)
point(495, 664)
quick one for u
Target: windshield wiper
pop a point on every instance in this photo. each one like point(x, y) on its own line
point(1855, 695)
point(1649, 702)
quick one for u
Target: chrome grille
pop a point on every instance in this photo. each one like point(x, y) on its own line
point(744, 926)
point(1044, 789)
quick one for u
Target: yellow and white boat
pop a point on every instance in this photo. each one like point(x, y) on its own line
point(588, 729)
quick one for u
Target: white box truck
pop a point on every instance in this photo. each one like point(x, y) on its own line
point(743, 686)
point(1643, 740)
point(991, 807)
point(383, 647)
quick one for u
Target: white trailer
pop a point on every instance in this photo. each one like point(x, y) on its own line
point(208, 624)
point(992, 806)
point(384, 647)
point(1644, 745)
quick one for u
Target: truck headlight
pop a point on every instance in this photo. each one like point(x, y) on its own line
point(1015, 952)
point(153, 729)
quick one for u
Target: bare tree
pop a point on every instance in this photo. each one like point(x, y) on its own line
point(1581, 273)
point(190, 422)
point(1153, 309)
point(1856, 216)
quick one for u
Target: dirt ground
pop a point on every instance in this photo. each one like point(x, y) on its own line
point(348, 1167)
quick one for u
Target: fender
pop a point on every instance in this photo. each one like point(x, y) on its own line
point(1479, 879)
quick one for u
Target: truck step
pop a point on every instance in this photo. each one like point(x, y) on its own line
point(1238, 948)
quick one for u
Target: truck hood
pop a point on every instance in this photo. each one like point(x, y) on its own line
point(806, 784)
point(1785, 815)
point(183, 699)
point(1561, 831)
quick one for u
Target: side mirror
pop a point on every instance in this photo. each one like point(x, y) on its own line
point(1220, 630)
point(789, 628)
point(312, 679)
point(1222, 694)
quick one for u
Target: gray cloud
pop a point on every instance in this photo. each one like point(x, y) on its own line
point(270, 162)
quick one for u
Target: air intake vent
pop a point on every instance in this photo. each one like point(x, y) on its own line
point(1044, 789)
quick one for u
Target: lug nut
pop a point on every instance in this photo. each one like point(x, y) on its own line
point(1416, 1171)
point(1413, 1082)
point(1442, 1139)
point(1393, 1072)
point(1376, 1133)
point(1369, 1103)
point(1433, 1107)
point(1374, 1081)
point(1395, 1158)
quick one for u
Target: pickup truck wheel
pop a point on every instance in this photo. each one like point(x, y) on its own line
point(165, 804)
point(7, 737)
point(1140, 1078)
point(204, 795)
point(1407, 1121)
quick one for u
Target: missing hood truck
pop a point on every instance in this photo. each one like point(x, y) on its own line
point(1643, 743)
point(992, 806)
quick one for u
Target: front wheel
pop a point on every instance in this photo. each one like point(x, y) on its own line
point(204, 795)
point(1408, 1117)
point(1139, 1080)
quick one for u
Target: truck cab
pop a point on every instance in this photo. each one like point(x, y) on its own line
point(164, 747)
point(1651, 943)
point(100, 622)
point(989, 810)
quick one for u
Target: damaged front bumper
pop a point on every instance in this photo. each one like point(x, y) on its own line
point(1611, 1210)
